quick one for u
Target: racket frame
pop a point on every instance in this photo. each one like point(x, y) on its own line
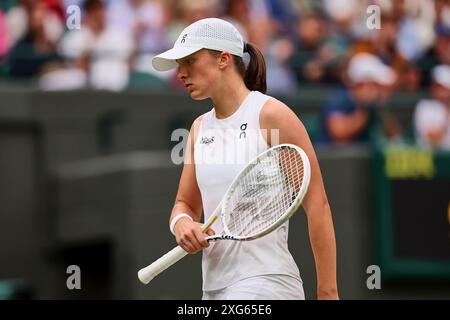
point(146, 274)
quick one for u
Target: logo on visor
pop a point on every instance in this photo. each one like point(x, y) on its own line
point(183, 40)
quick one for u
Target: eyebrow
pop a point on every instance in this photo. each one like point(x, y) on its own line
point(193, 55)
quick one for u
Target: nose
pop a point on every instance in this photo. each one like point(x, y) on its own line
point(181, 73)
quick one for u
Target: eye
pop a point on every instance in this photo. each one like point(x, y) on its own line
point(186, 61)
point(190, 61)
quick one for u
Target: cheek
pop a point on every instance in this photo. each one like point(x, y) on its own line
point(372, 90)
point(446, 94)
point(206, 75)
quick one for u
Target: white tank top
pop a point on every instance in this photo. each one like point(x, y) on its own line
point(222, 148)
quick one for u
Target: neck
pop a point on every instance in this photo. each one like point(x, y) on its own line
point(229, 97)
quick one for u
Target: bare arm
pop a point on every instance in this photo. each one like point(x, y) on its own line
point(188, 200)
point(276, 115)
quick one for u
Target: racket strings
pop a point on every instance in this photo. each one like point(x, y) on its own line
point(265, 193)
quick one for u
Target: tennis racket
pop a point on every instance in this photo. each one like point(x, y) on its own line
point(264, 195)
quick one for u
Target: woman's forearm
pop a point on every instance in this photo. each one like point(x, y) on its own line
point(323, 243)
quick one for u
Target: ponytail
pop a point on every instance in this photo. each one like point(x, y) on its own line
point(255, 74)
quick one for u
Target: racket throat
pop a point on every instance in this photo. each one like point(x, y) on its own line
point(221, 237)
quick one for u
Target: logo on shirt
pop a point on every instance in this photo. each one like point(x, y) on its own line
point(206, 140)
point(243, 128)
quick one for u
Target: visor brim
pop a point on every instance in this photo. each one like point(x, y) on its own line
point(167, 60)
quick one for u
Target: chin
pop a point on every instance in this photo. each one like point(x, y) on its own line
point(198, 96)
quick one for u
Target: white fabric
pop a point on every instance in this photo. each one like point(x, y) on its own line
point(16, 24)
point(109, 55)
point(340, 9)
point(222, 148)
point(432, 116)
point(270, 287)
point(63, 79)
point(441, 74)
point(175, 220)
point(125, 16)
point(210, 33)
point(76, 43)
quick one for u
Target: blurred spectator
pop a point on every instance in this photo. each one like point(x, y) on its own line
point(432, 116)
point(326, 35)
point(4, 40)
point(383, 44)
point(144, 21)
point(415, 27)
point(186, 12)
point(350, 113)
point(6, 5)
point(438, 54)
point(37, 47)
point(442, 13)
point(304, 41)
point(101, 52)
point(67, 3)
point(310, 59)
point(18, 20)
point(276, 50)
point(237, 12)
point(281, 11)
point(340, 11)
point(55, 7)
point(244, 13)
point(343, 16)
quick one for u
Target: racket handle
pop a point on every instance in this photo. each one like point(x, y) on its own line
point(146, 274)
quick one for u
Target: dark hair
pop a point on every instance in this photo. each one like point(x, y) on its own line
point(89, 5)
point(255, 74)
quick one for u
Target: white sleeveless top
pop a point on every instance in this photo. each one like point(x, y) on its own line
point(222, 148)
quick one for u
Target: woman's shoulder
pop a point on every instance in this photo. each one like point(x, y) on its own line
point(204, 116)
point(201, 118)
point(273, 107)
point(275, 111)
point(196, 123)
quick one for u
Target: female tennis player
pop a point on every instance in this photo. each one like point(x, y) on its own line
point(242, 123)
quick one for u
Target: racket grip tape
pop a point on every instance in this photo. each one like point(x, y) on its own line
point(146, 274)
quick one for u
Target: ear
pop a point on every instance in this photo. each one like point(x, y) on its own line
point(225, 60)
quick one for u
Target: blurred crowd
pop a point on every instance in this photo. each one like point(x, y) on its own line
point(318, 42)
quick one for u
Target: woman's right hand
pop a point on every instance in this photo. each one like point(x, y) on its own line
point(189, 235)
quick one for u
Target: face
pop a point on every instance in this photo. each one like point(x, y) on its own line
point(96, 19)
point(37, 17)
point(366, 92)
point(441, 93)
point(311, 31)
point(199, 72)
point(443, 48)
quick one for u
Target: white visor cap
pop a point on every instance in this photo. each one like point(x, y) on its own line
point(368, 67)
point(210, 33)
point(441, 75)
